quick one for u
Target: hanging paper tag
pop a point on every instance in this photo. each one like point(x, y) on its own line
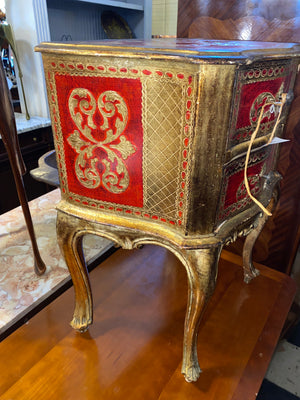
point(277, 140)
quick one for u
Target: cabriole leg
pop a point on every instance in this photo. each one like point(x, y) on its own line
point(201, 266)
point(70, 241)
point(250, 271)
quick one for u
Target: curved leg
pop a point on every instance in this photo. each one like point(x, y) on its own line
point(250, 271)
point(9, 136)
point(39, 265)
point(201, 266)
point(70, 242)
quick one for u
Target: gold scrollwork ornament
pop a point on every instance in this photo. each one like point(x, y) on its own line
point(114, 113)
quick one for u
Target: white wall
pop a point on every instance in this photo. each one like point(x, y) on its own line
point(28, 20)
point(2, 5)
point(164, 17)
point(20, 14)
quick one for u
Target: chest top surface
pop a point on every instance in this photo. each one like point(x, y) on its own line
point(189, 48)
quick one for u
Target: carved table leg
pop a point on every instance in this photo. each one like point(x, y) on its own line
point(250, 271)
point(201, 266)
point(70, 238)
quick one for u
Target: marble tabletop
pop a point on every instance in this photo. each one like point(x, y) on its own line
point(20, 288)
point(25, 125)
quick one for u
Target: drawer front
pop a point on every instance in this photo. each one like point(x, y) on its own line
point(122, 133)
point(234, 197)
point(256, 85)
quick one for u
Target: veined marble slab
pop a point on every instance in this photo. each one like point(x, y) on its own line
point(20, 288)
point(25, 125)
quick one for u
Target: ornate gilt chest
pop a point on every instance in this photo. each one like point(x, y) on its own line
point(167, 142)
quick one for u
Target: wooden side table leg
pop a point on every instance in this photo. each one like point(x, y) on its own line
point(70, 238)
point(201, 266)
point(250, 271)
point(9, 137)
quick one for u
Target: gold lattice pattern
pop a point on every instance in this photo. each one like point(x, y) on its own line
point(162, 161)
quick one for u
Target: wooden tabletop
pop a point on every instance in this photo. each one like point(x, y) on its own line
point(134, 348)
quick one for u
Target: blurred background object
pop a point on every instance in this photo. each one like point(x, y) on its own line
point(7, 42)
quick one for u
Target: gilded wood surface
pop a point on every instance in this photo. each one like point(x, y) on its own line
point(215, 94)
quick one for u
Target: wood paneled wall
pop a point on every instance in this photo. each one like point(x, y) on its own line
point(189, 10)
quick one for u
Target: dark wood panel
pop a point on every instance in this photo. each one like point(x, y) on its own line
point(134, 348)
point(33, 145)
point(246, 28)
point(189, 10)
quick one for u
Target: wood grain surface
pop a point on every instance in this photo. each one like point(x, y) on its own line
point(189, 10)
point(134, 348)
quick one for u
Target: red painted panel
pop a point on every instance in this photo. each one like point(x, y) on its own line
point(101, 122)
point(249, 93)
point(236, 190)
point(234, 197)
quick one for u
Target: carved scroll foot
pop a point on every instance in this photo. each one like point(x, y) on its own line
point(201, 266)
point(192, 372)
point(249, 271)
point(70, 238)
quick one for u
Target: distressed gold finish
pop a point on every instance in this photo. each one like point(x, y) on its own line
point(193, 199)
point(250, 271)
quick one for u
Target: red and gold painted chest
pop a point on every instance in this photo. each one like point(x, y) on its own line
point(151, 141)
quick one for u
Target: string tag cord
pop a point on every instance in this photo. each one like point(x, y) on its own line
point(253, 136)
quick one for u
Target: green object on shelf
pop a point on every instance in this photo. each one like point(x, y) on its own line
point(115, 26)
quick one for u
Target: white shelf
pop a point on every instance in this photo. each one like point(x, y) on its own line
point(113, 3)
point(80, 20)
point(51, 20)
